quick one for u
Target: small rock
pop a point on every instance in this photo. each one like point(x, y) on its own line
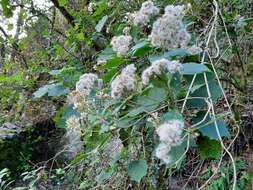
point(9, 131)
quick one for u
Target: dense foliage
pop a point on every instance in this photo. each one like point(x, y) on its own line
point(126, 94)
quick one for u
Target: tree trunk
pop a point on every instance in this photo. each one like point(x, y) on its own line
point(2, 55)
point(64, 12)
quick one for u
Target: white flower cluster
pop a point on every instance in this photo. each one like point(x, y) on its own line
point(101, 62)
point(91, 7)
point(170, 135)
point(143, 16)
point(87, 82)
point(169, 31)
point(78, 101)
point(123, 82)
point(194, 50)
point(73, 142)
point(158, 67)
point(120, 44)
point(73, 123)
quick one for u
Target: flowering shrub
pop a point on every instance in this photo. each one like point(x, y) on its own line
point(132, 126)
point(123, 82)
point(143, 16)
point(158, 67)
point(121, 44)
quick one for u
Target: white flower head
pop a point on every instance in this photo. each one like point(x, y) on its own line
point(123, 82)
point(73, 122)
point(177, 11)
point(162, 152)
point(121, 44)
point(143, 16)
point(169, 135)
point(91, 7)
point(183, 37)
point(138, 18)
point(78, 100)
point(194, 50)
point(169, 31)
point(149, 8)
point(87, 82)
point(160, 66)
point(101, 62)
point(170, 132)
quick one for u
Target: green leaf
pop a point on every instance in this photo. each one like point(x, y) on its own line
point(41, 92)
point(63, 114)
point(106, 54)
point(137, 111)
point(103, 176)
point(196, 87)
point(62, 3)
point(194, 68)
point(177, 53)
point(209, 148)
point(55, 72)
point(126, 122)
point(58, 49)
point(94, 139)
point(80, 36)
point(176, 153)
point(86, 185)
point(10, 27)
point(101, 23)
point(141, 48)
point(112, 63)
point(208, 129)
point(171, 115)
point(158, 94)
point(149, 102)
point(7, 9)
point(78, 159)
point(109, 75)
point(137, 170)
point(56, 89)
point(201, 91)
point(68, 76)
point(175, 83)
point(101, 9)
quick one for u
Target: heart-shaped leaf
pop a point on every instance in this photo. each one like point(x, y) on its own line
point(137, 170)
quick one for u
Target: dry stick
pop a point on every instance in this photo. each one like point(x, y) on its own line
point(225, 97)
point(216, 43)
point(204, 118)
point(219, 135)
point(216, 125)
point(209, 94)
point(187, 148)
point(193, 172)
point(231, 143)
point(202, 60)
point(194, 77)
point(193, 80)
point(213, 113)
point(225, 27)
